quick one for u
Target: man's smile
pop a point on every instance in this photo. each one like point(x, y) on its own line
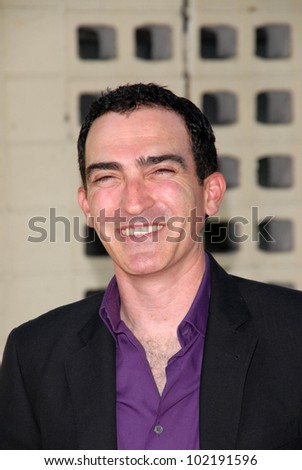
point(140, 230)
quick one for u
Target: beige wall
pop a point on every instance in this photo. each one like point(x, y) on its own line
point(41, 78)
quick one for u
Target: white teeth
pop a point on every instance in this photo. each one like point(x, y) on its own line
point(140, 231)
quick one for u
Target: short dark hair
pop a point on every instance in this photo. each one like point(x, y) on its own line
point(128, 98)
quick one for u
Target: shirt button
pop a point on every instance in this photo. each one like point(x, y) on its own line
point(158, 429)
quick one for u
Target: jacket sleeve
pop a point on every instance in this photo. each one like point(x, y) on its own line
point(18, 425)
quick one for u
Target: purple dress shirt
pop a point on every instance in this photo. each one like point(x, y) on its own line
point(146, 419)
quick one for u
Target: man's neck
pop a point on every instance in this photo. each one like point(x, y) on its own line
point(159, 302)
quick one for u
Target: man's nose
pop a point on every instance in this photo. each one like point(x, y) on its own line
point(136, 197)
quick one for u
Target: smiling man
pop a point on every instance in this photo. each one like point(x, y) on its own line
point(142, 165)
point(177, 354)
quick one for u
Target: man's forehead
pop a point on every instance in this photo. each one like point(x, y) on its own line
point(147, 131)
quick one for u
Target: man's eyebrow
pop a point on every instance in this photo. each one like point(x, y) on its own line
point(141, 161)
point(102, 166)
point(153, 160)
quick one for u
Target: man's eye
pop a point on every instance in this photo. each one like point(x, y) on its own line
point(164, 170)
point(103, 179)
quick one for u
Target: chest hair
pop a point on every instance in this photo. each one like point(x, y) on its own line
point(158, 352)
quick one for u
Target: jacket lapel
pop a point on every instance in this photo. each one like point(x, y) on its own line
point(91, 377)
point(229, 346)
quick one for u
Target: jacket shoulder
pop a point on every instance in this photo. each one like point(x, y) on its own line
point(59, 322)
point(273, 295)
point(276, 310)
point(238, 299)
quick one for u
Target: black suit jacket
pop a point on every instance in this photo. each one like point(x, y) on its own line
point(58, 378)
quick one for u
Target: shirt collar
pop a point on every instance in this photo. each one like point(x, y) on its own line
point(110, 307)
point(193, 323)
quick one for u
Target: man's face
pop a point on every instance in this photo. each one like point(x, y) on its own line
point(142, 189)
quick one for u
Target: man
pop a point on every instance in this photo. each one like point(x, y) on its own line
point(178, 354)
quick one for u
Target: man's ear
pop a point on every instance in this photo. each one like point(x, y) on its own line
point(214, 186)
point(84, 205)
